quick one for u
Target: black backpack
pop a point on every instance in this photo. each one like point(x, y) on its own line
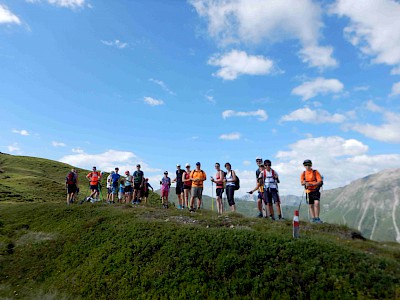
point(237, 182)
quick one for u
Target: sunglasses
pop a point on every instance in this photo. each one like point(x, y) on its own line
point(307, 165)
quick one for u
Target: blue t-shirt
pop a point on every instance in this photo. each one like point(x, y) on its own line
point(114, 179)
point(121, 188)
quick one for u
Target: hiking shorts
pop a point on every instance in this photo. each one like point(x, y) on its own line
point(109, 190)
point(187, 187)
point(71, 188)
point(271, 194)
point(260, 196)
point(136, 186)
point(145, 193)
point(219, 192)
point(179, 188)
point(94, 187)
point(114, 189)
point(197, 192)
point(128, 189)
point(120, 195)
point(313, 196)
point(164, 193)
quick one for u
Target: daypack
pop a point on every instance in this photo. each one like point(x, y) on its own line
point(273, 176)
point(315, 179)
point(237, 182)
point(70, 179)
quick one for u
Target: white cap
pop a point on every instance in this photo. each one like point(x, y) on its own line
point(187, 165)
point(178, 165)
point(258, 157)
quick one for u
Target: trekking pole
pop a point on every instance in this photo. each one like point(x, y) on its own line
point(212, 196)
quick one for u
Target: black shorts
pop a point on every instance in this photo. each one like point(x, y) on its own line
point(109, 190)
point(313, 196)
point(187, 187)
point(128, 189)
point(219, 192)
point(179, 189)
point(260, 195)
point(145, 193)
point(94, 187)
point(71, 188)
point(271, 194)
point(136, 186)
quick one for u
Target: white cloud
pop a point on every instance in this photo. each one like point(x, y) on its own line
point(107, 161)
point(236, 63)
point(374, 28)
point(73, 4)
point(117, 43)
point(162, 85)
point(246, 163)
point(318, 116)
point(261, 114)
point(14, 148)
point(21, 132)
point(153, 102)
point(58, 144)
point(77, 150)
point(259, 21)
point(7, 17)
point(310, 89)
point(395, 89)
point(230, 136)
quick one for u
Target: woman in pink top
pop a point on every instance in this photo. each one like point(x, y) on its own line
point(219, 181)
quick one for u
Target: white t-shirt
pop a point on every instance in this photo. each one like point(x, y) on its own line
point(109, 181)
point(269, 180)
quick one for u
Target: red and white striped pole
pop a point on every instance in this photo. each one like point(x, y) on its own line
point(296, 223)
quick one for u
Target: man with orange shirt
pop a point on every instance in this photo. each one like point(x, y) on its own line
point(94, 178)
point(197, 176)
point(312, 181)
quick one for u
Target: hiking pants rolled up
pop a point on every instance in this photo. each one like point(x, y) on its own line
point(230, 193)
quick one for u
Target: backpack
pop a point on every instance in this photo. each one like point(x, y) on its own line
point(315, 179)
point(70, 179)
point(237, 182)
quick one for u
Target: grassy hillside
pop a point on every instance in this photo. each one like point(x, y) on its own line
point(49, 250)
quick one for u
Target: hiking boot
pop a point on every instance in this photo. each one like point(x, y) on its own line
point(260, 215)
point(318, 221)
point(191, 210)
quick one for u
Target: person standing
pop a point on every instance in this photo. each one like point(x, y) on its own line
point(146, 187)
point(109, 189)
point(179, 186)
point(197, 176)
point(165, 186)
point(219, 187)
point(128, 187)
point(260, 196)
point(94, 178)
point(114, 184)
point(138, 181)
point(70, 184)
point(312, 181)
point(187, 185)
point(230, 179)
point(271, 180)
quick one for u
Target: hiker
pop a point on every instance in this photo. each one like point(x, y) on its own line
point(145, 190)
point(197, 176)
point(165, 186)
point(219, 187)
point(312, 181)
point(70, 184)
point(77, 185)
point(187, 185)
point(179, 186)
point(230, 179)
point(115, 177)
point(109, 190)
point(138, 181)
point(94, 178)
point(260, 196)
point(271, 180)
point(128, 187)
point(121, 192)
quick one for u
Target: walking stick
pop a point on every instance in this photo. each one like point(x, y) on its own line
point(212, 195)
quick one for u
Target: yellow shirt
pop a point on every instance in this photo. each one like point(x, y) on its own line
point(198, 175)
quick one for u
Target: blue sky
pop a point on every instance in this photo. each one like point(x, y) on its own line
point(115, 83)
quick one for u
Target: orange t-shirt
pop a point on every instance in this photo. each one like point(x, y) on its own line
point(94, 177)
point(311, 178)
point(198, 175)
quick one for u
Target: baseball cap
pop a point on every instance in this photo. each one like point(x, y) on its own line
point(258, 158)
point(307, 162)
point(126, 172)
point(187, 165)
point(198, 164)
point(138, 165)
point(178, 165)
point(166, 172)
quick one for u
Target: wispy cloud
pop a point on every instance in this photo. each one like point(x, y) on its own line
point(7, 17)
point(153, 102)
point(14, 148)
point(73, 4)
point(261, 114)
point(236, 63)
point(395, 89)
point(310, 89)
point(21, 132)
point(58, 144)
point(230, 136)
point(116, 43)
point(318, 116)
point(77, 150)
point(162, 85)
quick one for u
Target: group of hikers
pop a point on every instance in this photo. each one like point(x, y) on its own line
point(133, 189)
